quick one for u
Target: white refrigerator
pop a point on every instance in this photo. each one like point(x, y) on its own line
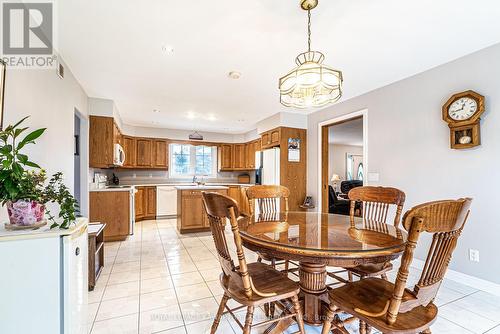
point(271, 166)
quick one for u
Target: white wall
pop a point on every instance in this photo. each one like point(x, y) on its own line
point(51, 102)
point(408, 144)
point(337, 159)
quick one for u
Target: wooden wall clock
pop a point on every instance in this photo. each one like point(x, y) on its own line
point(463, 112)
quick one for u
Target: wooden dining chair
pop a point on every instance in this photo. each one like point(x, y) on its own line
point(250, 284)
point(376, 202)
point(392, 308)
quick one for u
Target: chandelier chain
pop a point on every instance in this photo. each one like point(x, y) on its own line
point(309, 29)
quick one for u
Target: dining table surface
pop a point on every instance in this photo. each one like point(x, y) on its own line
point(316, 241)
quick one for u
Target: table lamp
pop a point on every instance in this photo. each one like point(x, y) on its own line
point(335, 179)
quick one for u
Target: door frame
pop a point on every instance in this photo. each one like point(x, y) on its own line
point(327, 123)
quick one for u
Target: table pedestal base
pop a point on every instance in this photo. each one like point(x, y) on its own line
point(313, 286)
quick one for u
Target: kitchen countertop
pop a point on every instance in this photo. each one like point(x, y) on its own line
point(42, 232)
point(122, 188)
point(200, 187)
point(186, 184)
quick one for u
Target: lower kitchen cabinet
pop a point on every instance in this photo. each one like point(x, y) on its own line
point(113, 209)
point(145, 203)
point(191, 215)
point(239, 194)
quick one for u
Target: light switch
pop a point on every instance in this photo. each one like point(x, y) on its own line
point(373, 177)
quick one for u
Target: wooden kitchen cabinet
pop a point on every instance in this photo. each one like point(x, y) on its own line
point(191, 216)
point(101, 141)
point(129, 146)
point(145, 203)
point(144, 152)
point(160, 149)
point(239, 157)
point(225, 157)
point(251, 148)
point(113, 209)
point(140, 211)
point(271, 138)
point(150, 202)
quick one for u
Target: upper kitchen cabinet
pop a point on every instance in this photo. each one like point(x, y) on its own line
point(160, 156)
point(102, 136)
point(239, 157)
point(144, 149)
point(225, 157)
point(271, 138)
point(251, 148)
point(129, 146)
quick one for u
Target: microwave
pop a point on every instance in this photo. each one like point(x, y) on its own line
point(118, 155)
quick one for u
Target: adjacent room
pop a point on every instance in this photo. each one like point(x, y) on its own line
point(249, 166)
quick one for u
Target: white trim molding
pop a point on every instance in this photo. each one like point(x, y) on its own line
point(474, 282)
point(364, 114)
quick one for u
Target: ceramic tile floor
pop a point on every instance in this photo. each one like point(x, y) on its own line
point(158, 281)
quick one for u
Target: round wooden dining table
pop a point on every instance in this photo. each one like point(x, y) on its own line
point(317, 240)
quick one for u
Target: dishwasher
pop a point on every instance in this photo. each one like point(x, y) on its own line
point(166, 201)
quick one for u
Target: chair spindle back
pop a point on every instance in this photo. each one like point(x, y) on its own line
point(376, 202)
point(267, 199)
point(219, 209)
point(445, 220)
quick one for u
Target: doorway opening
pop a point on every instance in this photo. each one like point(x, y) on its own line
point(343, 160)
point(80, 161)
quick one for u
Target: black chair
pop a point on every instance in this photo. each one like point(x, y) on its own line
point(346, 186)
point(336, 205)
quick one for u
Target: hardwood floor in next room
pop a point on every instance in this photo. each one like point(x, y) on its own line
point(158, 281)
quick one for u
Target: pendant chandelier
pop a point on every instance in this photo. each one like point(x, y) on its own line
point(311, 84)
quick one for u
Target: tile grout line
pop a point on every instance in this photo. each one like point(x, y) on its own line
point(140, 283)
point(171, 279)
point(105, 286)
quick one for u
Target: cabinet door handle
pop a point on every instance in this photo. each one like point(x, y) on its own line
point(77, 251)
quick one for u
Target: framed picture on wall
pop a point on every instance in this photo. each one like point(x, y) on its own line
point(2, 90)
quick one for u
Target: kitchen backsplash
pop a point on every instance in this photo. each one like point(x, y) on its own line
point(130, 177)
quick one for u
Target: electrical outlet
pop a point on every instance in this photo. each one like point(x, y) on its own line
point(473, 255)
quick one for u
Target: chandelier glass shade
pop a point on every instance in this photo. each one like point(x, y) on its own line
point(311, 84)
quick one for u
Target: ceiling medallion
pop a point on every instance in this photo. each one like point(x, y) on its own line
point(311, 84)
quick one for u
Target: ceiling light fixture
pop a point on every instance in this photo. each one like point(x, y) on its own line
point(156, 111)
point(311, 83)
point(234, 75)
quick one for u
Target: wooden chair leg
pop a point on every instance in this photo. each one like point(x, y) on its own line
point(266, 309)
point(384, 276)
point(272, 308)
point(298, 314)
point(327, 324)
point(362, 327)
point(427, 331)
point(259, 259)
point(248, 320)
point(349, 275)
point(287, 264)
point(220, 311)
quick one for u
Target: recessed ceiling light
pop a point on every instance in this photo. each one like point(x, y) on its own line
point(211, 117)
point(191, 115)
point(234, 75)
point(167, 49)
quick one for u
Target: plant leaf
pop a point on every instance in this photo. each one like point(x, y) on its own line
point(15, 125)
point(31, 137)
point(17, 132)
point(32, 164)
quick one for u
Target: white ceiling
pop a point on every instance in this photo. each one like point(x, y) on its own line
point(114, 48)
point(347, 133)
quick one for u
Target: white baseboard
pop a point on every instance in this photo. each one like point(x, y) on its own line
point(474, 282)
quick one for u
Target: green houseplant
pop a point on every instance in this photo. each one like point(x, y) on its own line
point(23, 186)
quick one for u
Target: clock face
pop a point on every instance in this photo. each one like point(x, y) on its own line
point(462, 109)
